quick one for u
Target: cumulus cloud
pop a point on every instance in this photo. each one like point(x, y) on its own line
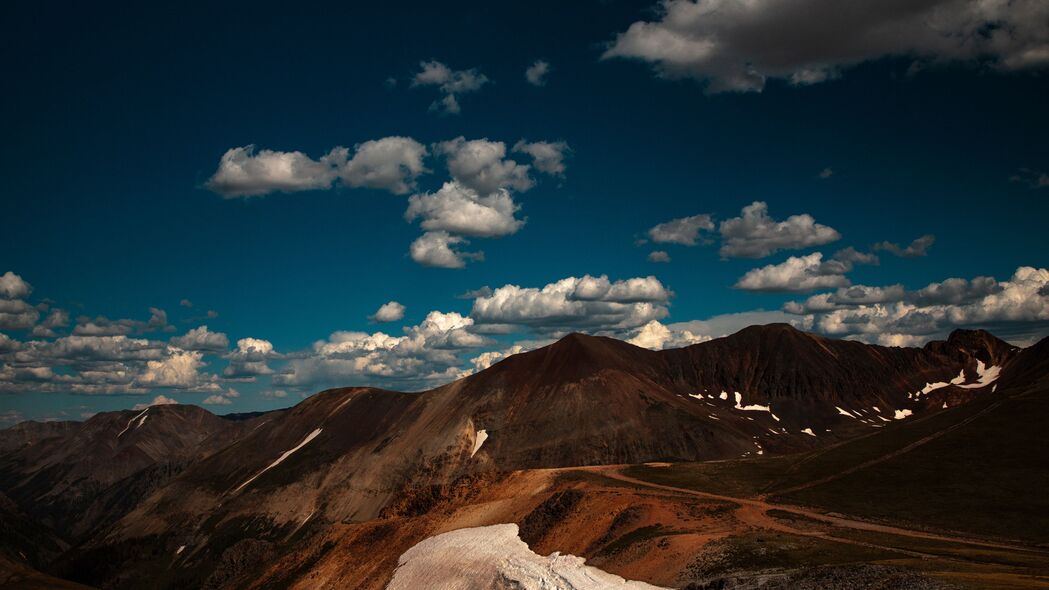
point(249, 359)
point(797, 274)
point(481, 165)
point(391, 163)
point(826, 173)
point(178, 370)
point(656, 336)
point(13, 286)
point(16, 314)
point(658, 256)
point(733, 45)
point(684, 230)
point(222, 399)
point(390, 311)
point(851, 255)
point(438, 249)
point(103, 326)
point(755, 234)
point(457, 209)
point(1031, 178)
point(424, 354)
point(730, 323)
point(891, 315)
point(536, 73)
point(451, 83)
point(919, 247)
point(548, 157)
point(201, 338)
point(592, 303)
point(159, 400)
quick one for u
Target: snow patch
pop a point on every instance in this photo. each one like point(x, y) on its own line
point(479, 438)
point(696, 395)
point(495, 557)
point(987, 375)
point(180, 549)
point(845, 412)
point(141, 422)
point(132, 421)
point(808, 431)
point(724, 395)
point(280, 459)
point(901, 414)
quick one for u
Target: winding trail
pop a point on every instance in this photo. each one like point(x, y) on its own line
point(754, 512)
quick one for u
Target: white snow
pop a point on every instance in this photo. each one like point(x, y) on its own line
point(884, 419)
point(180, 550)
point(987, 375)
point(753, 407)
point(724, 395)
point(901, 414)
point(280, 459)
point(696, 395)
point(944, 406)
point(844, 412)
point(141, 422)
point(993, 389)
point(132, 421)
point(479, 438)
point(876, 409)
point(495, 557)
point(808, 431)
point(739, 398)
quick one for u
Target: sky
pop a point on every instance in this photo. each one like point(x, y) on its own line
point(241, 205)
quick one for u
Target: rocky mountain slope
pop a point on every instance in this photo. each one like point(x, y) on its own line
point(237, 493)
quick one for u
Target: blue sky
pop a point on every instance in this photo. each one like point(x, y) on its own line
point(117, 118)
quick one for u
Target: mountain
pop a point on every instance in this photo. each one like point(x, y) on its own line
point(187, 499)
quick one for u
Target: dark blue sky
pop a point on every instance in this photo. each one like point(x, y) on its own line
point(116, 117)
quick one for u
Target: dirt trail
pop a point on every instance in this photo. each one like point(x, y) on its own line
point(886, 457)
point(754, 512)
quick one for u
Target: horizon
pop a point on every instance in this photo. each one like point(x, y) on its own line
point(298, 203)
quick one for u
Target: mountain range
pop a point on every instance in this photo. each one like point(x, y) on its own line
point(331, 492)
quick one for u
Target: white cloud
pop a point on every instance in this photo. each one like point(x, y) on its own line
point(159, 400)
point(201, 338)
point(658, 256)
point(735, 45)
point(536, 73)
point(482, 165)
point(390, 311)
point(244, 173)
point(547, 156)
point(249, 358)
point(178, 370)
point(456, 209)
point(451, 83)
point(437, 249)
point(392, 164)
point(588, 302)
point(755, 235)
point(13, 287)
point(216, 400)
point(1016, 307)
point(103, 326)
point(1031, 178)
point(656, 336)
point(919, 247)
point(795, 275)
point(684, 230)
point(826, 173)
point(16, 314)
point(730, 323)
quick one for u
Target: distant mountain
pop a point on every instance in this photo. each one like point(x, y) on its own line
point(187, 499)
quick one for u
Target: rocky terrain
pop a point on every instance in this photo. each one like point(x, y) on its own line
point(336, 490)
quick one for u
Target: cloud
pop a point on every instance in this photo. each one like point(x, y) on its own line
point(451, 83)
point(178, 370)
point(656, 336)
point(244, 173)
point(733, 45)
point(391, 163)
point(159, 400)
point(851, 255)
point(536, 73)
point(481, 165)
point(249, 359)
point(222, 399)
point(795, 275)
point(103, 326)
point(201, 338)
point(826, 173)
point(424, 355)
point(919, 247)
point(16, 314)
point(13, 287)
point(388, 312)
point(457, 209)
point(890, 315)
point(730, 323)
point(658, 256)
point(437, 249)
point(684, 230)
point(548, 157)
point(592, 303)
point(185, 303)
point(755, 235)
point(1031, 178)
